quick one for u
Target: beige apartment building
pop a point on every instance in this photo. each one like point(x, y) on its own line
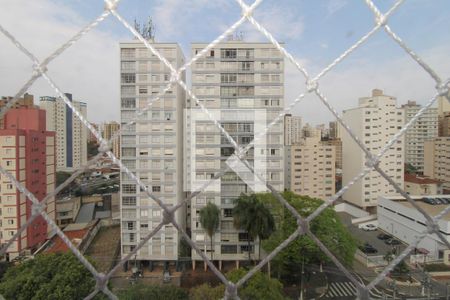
point(334, 130)
point(444, 124)
point(375, 121)
point(337, 144)
point(152, 149)
point(292, 129)
point(71, 134)
point(243, 85)
point(437, 161)
point(312, 168)
point(426, 127)
point(108, 130)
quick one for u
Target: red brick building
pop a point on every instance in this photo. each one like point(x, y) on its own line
point(27, 150)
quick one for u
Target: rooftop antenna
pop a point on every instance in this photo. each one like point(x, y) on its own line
point(149, 30)
point(137, 27)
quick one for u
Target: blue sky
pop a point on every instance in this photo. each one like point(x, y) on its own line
point(314, 31)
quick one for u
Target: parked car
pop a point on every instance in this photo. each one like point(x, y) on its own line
point(429, 200)
point(368, 249)
point(383, 236)
point(392, 241)
point(369, 227)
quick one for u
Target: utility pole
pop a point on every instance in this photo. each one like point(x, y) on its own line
point(301, 279)
point(394, 287)
point(446, 291)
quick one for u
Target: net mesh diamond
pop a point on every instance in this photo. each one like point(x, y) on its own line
point(312, 87)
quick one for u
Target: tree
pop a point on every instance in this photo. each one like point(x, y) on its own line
point(259, 286)
point(209, 219)
point(141, 291)
point(48, 276)
point(326, 227)
point(206, 292)
point(410, 169)
point(92, 148)
point(250, 214)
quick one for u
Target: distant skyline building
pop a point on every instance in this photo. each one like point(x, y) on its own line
point(240, 82)
point(71, 134)
point(27, 151)
point(426, 127)
point(152, 149)
point(312, 168)
point(334, 130)
point(311, 131)
point(437, 161)
point(375, 122)
point(108, 130)
point(292, 129)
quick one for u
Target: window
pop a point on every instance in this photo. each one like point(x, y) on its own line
point(128, 78)
point(128, 53)
point(143, 91)
point(228, 53)
point(128, 103)
point(244, 237)
point(228, 249)
point(128, 188)
point(129, 201)
point(156, 188)
point(228, 212)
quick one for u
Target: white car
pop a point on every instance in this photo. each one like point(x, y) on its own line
point(369, 227)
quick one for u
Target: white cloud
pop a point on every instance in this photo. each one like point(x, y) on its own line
point(283, 24)
point(175, 16)
point(333, 6)
point(89, 69)
point(402, 78)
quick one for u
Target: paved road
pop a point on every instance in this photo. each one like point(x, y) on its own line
point(341, 288)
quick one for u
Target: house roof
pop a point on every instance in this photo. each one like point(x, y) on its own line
point(420, 180)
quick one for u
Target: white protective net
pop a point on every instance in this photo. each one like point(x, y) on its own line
point(312, 86)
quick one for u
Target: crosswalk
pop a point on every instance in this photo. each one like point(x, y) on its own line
point(341, 289)
point(344, 289)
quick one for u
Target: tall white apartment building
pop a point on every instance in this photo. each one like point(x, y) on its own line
point(152, 149)
point(292, 129)
point(312, 168)
point(71, 134)
point(375, 121)
point(242, 84)
point(426, 127)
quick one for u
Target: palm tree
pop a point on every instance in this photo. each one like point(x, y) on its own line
point(251, 215)
point(209, 219)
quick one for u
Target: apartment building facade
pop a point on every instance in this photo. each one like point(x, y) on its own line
point(152, 149)
point(426, 127)
point(437, 161)
point(27, 151)
point(242, 84)
point(108, 130)
point(71, 134)
point(313, 168)
point(292, 129)
point(375, 121)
